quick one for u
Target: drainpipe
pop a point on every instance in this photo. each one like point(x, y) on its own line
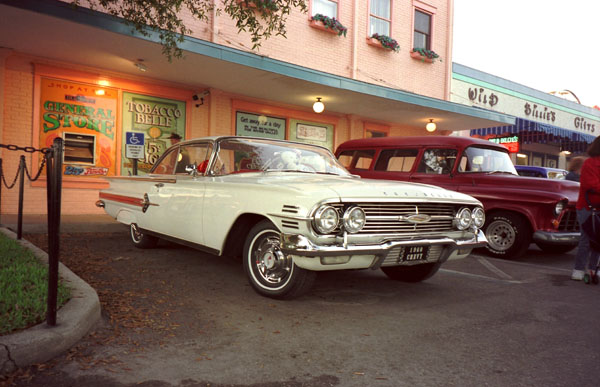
point(354, 38)
point(449, 39)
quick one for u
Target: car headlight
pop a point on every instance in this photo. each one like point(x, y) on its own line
point(478, 216)
point(354, 219)
point(560, 206)
point(463, 219)
point(326, 219)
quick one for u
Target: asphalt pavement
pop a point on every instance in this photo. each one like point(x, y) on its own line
point(173, 316)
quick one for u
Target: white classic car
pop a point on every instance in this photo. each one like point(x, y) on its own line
point(290, 209)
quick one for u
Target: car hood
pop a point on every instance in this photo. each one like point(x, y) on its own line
point(358, 188)
point(566, 188)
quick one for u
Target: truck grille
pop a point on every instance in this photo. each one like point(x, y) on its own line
point(569, 221)
point(384, 218)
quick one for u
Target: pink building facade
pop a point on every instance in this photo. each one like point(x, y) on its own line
point(84, 76)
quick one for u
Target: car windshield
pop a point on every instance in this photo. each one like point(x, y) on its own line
point(481, 159)
point(239, 155)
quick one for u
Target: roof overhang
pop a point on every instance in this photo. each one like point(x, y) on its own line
point(60, 32)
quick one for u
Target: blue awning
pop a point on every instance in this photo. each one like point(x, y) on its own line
point(536, 132)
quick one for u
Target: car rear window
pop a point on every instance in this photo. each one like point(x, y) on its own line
point(396, 160)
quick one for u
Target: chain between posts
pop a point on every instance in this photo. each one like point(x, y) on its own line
point(26, 149)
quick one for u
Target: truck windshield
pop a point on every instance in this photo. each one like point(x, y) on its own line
point(487, 160)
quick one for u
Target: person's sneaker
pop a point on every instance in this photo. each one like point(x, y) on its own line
point(577, 275)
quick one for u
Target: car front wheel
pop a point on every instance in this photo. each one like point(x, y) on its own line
point(508, 235)
point(141, 240)
point(416, 273)
point(269, 271)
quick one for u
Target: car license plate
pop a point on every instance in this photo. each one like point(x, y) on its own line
point(415, 253)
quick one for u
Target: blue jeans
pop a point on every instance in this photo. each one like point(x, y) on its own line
point(585, 255)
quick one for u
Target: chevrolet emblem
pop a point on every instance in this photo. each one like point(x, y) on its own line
point(415, 218)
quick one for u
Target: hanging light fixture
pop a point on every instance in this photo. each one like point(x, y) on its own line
point(431, 126)
point(141, 66)
point(318, 106)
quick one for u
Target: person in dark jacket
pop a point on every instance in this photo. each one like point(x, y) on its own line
point(589, 183)
point(575, 168)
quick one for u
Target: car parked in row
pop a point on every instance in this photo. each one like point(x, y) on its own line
point(291, 210)
point(544, 172)
point(518, 209)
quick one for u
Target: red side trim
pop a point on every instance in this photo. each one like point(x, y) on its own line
point(122, 199)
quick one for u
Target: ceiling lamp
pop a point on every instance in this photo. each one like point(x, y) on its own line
point(431, 126)
point(318, 106)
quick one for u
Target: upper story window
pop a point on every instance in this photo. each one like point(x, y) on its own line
point(380, 17)
point(325, 7)
point(422, 36)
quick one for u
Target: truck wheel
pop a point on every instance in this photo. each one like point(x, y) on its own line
point(555, 249)
point(141, 240)
point(508, 235)
point(416, 273)
point(269, 271)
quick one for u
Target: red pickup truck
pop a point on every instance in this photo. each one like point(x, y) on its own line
point(519, 210)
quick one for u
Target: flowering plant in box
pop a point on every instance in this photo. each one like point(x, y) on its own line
point(332, 23)
point(425, 53)
point(387, 42)
point(269, 5)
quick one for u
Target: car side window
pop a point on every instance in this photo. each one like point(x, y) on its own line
point(166, 166)
point(437, 160)
point(193, 154)
point(357, 159)
point(396, 160)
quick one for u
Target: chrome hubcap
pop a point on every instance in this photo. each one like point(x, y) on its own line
point(500, 235)
point(271, 264)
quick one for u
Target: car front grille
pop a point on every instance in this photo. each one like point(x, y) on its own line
point(384, 218)
point(569, 221)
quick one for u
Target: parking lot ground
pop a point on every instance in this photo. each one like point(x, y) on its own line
point(176, 317)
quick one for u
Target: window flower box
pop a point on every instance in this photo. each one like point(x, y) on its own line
point(424, 55)
point(329, 24)
point(383, 41)
point(267, 5)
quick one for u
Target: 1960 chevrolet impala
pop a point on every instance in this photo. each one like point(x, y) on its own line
point(290, 209)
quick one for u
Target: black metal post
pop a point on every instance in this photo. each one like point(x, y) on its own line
point(54, 202)
point(21, 189)
point(1, 173)
point(134, 167)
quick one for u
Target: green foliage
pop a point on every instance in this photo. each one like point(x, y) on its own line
point(23, 287)
point(331, 23)
point(387, 42)
point(425, 53)
point(260, 18)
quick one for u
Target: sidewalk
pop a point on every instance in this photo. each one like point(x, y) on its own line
point(76, 318)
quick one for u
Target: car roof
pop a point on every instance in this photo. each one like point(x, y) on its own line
point(419, 141)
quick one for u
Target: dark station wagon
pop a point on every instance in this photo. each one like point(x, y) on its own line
point(519, 210)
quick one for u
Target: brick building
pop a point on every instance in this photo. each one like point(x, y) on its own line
point(86, 77)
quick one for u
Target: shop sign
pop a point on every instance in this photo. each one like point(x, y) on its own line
point(312, 133)
point(533, 109)
point(511, 143)
point(156, 119)
point(254, 125)
point(84, 115)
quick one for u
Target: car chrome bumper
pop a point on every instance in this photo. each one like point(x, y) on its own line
point(306, 254)
point(557, 238)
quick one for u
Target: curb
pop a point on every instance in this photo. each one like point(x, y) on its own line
point(74, 320)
